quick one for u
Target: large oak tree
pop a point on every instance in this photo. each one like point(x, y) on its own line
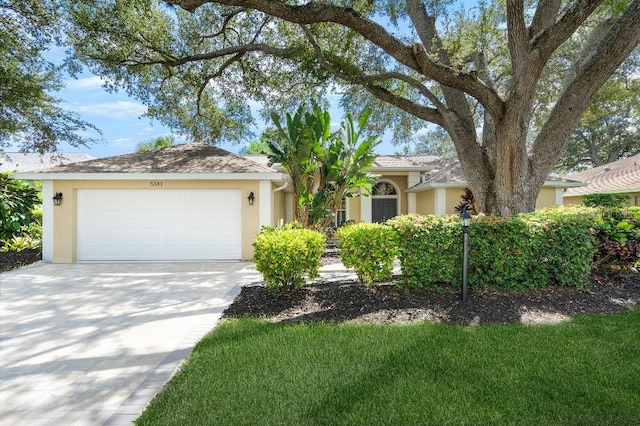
point(31, 118)
point(478, 74)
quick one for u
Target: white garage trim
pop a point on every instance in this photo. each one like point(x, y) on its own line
point(159, 224)
point(47, 221)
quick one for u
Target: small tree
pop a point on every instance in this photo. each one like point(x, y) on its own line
point(324, 167)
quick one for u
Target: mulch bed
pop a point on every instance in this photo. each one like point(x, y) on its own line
point(384, 303)
point(15, 259)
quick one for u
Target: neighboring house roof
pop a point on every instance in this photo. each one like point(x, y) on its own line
point(29, 161)
point(179, 161)
point(619, 176)
point(449, 174)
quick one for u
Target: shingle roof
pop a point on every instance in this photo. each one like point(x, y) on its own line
point(188, 158)
point(449, 173)
point(619, 176)
point(415, 161)
point(28, 161)
point(395, 162)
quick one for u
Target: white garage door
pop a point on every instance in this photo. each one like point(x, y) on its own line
point(159, 224)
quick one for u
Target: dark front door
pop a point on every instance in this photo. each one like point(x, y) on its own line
point(383, 209)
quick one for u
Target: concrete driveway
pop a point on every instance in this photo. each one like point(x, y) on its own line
point(91, 344)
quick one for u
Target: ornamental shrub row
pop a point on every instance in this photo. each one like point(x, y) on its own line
point(617, 234)
point(533, 250)
point(286, 255)
point(370, 249)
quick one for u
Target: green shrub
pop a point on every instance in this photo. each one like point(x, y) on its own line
point(285, 256)
point(606, 200)
point(562, 243)
point(549, 247)
point(370, 249)
point(617, 232)
point(430, 249)
point(500, 255)
point(19, 203)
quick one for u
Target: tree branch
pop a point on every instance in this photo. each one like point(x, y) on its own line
point(545, 16)
point(613, 49)
point(550, 39)
point(368, 82)
point(410, 56)
point(517, 36)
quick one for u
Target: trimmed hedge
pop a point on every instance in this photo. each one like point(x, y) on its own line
point(285, 256)
point(533, 250)
point(370, 249)
point(429, 249)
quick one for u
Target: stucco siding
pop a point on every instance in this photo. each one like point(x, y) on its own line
point(453, 199)
point(425, 202)
point(546, 198)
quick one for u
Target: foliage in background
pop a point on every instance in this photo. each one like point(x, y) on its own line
point(368, 248)
point(324, 167)
point(285, 256)
point(20, 213)
point(507, 81)
point(157, 143)
point(606, 200)
point(31, 118)
point(618, 239)
point(608, 129)
point(533, 250)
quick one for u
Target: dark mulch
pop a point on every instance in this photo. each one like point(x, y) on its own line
point(384, 303)
point(16, 259)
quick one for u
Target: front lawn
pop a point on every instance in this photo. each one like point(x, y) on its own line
point(251, 372)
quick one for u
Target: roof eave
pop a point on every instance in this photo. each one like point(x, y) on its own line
point(148, 176)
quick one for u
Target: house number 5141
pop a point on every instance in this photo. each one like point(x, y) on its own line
point(155, 183)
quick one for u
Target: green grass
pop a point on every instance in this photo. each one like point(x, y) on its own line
point(250, 372)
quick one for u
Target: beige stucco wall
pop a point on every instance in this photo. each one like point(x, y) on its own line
point(546, 198)
point(354, 210)
point(65, 215)
point(453, 199)
point(572, 201)
point(425, 202)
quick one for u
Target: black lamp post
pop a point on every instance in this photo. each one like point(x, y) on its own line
point(465, 220)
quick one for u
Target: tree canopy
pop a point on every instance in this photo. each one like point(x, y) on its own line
point(508, 81)
point(31, 118)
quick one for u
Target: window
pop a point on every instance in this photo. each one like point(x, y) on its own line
point(383, 188)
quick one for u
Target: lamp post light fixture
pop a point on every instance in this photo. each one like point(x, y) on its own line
point(251, 197)
point(57, 199)
point(465, 220)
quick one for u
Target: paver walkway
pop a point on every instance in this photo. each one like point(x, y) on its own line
point(91, 344)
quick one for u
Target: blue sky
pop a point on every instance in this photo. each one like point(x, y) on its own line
point(118, 117)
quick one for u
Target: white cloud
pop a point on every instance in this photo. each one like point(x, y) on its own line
point(85, 83)
point(118, 109)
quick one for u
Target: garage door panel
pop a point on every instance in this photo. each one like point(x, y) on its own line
point(159, 224)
